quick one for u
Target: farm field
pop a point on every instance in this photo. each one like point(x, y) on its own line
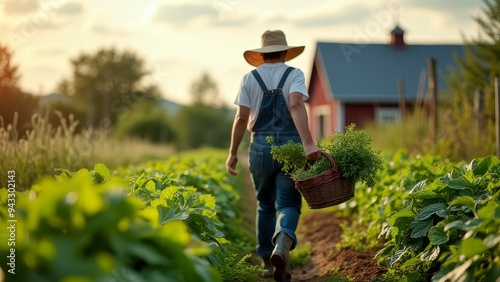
point(186, 219)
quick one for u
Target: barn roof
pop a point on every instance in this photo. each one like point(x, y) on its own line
point(370, 72)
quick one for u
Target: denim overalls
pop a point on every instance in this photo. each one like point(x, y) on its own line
point(274, 189)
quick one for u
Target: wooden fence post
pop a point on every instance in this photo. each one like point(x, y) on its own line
point(479, 110)
point(402, 99)
point(431, 65)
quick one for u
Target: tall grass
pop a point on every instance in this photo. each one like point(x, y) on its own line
point(457, 137)
point(44, 148)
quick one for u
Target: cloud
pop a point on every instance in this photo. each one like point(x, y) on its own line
point(461, 9)
point(198, 14)
point(106, 30)
point(349, 14)
point(71, 9)
point(19, 7)
point(183, 14)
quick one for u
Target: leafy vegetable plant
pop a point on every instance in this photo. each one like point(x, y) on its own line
point(351, 150)
point(449, 229)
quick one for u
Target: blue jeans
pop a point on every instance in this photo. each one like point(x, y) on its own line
point(278, 202)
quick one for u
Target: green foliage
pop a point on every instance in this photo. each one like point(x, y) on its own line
point(46, 147)
point(86, 225)
point(400, 173)
point(147, 122)
point(301, 255)
point(109, 82)
point(204, 91)
point(233, 270)
point(351, 151)
point(476, 71)
point(201, 125)
point(172, 220)
point(353, 154)
point(339, 278)
point(17, 107)
point(448, 229)
point(291, 155)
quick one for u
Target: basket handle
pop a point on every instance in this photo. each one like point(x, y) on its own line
point(332, 162)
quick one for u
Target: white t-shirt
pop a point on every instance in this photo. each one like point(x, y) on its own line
point(250, 94)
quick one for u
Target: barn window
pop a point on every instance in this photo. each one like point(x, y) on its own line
point(387, 116)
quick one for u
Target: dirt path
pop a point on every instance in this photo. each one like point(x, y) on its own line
point(322, 231)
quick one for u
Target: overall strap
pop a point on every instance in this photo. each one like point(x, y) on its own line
point(285, 76)
point(259, 80)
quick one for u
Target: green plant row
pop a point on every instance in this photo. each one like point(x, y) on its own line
point(163, 221)
point(439, 220)
point(448, 229)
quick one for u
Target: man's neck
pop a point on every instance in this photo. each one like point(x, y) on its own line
point(273, 61)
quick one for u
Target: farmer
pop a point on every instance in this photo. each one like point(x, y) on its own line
point(271, 103)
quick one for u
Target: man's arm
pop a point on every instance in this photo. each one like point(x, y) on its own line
point(299, 116)
point(237, 133)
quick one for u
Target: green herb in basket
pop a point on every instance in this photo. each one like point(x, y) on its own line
point(351, 150)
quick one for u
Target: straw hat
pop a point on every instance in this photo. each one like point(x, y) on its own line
point(272, 41)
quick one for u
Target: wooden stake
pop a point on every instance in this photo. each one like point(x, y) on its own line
point(402, 99)
point(497, 115)
point(431, 65)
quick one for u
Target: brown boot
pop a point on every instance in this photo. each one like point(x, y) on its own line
point(268, 267)
point(280, 257)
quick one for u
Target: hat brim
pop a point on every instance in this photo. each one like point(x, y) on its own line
point(254, 56)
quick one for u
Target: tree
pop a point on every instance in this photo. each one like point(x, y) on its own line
point(146, 121)
point(205, 91)
point(206, 122)
point(12, 100)
point(200, 125)
point(108, 82)
point(8, 72)
point(476, 72)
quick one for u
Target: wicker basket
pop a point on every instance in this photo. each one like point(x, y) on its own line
point(326, 189)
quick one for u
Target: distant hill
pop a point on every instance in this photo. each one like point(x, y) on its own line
point(52, 98)
point(170, 107)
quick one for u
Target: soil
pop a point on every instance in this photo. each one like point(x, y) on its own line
point(322, 231)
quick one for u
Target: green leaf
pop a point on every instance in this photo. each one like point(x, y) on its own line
point(101, 174)
point(401, 217)
point(489, 211)
point(460, 183)
point(397, 256)
point(472, 246)
point(385, 251)
point(465, 226)
point(458, 274)
point(430, 210)
point(464, 201)
point(438, 236)
point(411, 263)
point(431, 254)
point(425, 195)
point(492, 240)
point(442, 213)
point(150, 186)
point(419, 186)
point(420, 228)
point(482, 167)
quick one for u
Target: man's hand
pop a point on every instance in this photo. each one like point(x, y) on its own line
point(231, 162)
point(312, 152)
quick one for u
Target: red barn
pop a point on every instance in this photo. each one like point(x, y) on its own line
point(358, 83)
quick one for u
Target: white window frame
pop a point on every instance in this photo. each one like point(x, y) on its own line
point(387, 115)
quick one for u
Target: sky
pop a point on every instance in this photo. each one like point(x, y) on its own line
point(180, 40)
